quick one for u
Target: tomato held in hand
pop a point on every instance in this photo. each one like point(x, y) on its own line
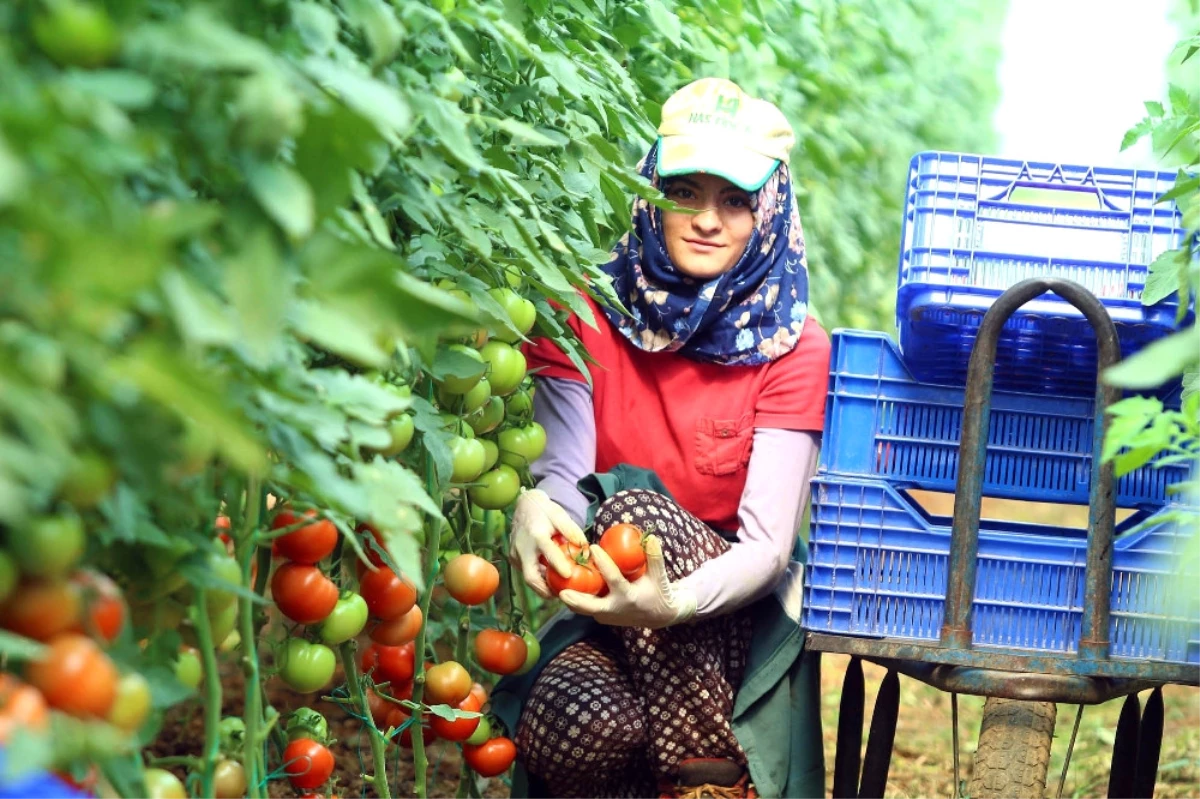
point(470, 579)
point(307, 667)
point(500, 652)
point(492, 758)
point(388, 594)
point(75, 676)
point(347, 619)
point(447, 683)
point(303, 593)
point(584, 578)
point(623, 543)
point(391, 664)
point(308, 544)
point(458, 729)
point(308, 764)
point(400, 630)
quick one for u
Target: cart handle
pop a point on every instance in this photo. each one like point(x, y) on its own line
point(964, 537)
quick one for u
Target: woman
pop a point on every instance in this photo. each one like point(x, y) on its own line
point(715, 381)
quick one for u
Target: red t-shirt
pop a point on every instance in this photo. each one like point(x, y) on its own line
point(691, 422)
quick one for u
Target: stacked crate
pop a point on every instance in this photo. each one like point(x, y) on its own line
point(974, 226)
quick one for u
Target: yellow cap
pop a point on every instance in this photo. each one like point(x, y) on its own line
point(712, 126)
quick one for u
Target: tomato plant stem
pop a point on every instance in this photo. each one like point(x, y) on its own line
point(248, 550)
point(378, 744)
point(433, 540)
point(212, 690)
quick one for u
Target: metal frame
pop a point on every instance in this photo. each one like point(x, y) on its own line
point(1089, 676)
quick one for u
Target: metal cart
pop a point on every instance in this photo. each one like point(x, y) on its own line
point(1022, 688)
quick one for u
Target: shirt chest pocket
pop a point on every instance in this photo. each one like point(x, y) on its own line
point(723, 445)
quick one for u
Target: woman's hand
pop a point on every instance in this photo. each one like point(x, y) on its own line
point(536, 519)
point(651, 601)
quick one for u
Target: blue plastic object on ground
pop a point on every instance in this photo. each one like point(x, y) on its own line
point(878, 562)
point(881, 422)
point(35, 785)
point(975, 225)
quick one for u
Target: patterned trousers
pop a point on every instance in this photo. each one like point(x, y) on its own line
point(614, 714)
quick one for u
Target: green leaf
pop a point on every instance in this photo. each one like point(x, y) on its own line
point(379, 25)
point(664, 21)
point(1184, 186)
point(317, 25)
point(1155, 109)
point(19, 648)
point(338, 332)
point(451, 363)
point(121, 87)
point(449, 124)
point(285, 197)
point(258, 290)
point(1136, 133)
point(1159, 362)
point(434, 437)
point(376, 101)
point(201, 317)
point(1167, 275)
point(357, 396)
point(12, 174)
point(199, 41)
point(527, 134)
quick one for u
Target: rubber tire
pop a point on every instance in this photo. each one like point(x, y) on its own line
point(1014, 749)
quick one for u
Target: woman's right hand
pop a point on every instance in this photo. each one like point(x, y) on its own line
point(536, 519)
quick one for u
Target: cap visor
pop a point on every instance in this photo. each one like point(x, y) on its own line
point(682, 155)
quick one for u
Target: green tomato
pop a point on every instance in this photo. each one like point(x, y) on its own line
point(491, 455)
point(469, 456)
point(472, 400)
point(188, 669)
point(521, 312)
point(488, 417)
point(496, 489)
point(132, 705)
point(49, 547)
point(347, 619)
point(232, 732)
point(307, 667)
point(506, 367)
point(401, 430)
point(533, 651)
point(89, 480)
point(76, 34)
point(9, 575)
point(162, 784)
point(519, 403)
point(521, 446)
point(454, 384)
point(304, 722)
point(482, 734)
point(222, 566)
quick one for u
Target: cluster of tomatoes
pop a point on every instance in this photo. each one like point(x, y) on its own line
point(624, 543)
point(74, 614)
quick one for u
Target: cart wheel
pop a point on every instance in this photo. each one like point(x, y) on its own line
point(1014, 749)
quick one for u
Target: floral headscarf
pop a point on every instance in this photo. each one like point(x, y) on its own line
point(747, 316)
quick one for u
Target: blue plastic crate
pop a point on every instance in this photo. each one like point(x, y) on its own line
point(881, 422)
point(975, 225)
point(878, 563)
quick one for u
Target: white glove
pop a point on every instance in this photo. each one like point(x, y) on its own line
point(536, 519)
point(651, 601)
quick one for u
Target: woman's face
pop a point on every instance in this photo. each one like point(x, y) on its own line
point(706, 244)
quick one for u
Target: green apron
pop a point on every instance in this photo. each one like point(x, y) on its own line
point(777, 711)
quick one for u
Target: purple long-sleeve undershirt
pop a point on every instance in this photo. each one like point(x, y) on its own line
point(782, 463)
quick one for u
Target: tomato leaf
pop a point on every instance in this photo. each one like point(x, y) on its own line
point(19, 648)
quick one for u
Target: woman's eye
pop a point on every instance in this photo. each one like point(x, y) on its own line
point(738, 201)
point(679, 193)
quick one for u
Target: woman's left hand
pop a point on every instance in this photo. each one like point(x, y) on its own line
point(651, 601)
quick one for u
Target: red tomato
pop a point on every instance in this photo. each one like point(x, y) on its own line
point(623, 543)
point(41, 610)
point(21, 707)
point(447, 683)
point(459, 729)
point(105, 614)
point(388, 594)
point(400, 630)
point(500, 652)
point(492, 758)
point(307, 544)
point(391, 664)
point(308, 764)
point(470, 579)
point(75, 676)
point(584, 578)
point(381, 709)
point(480, 693)
point(303, 593)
